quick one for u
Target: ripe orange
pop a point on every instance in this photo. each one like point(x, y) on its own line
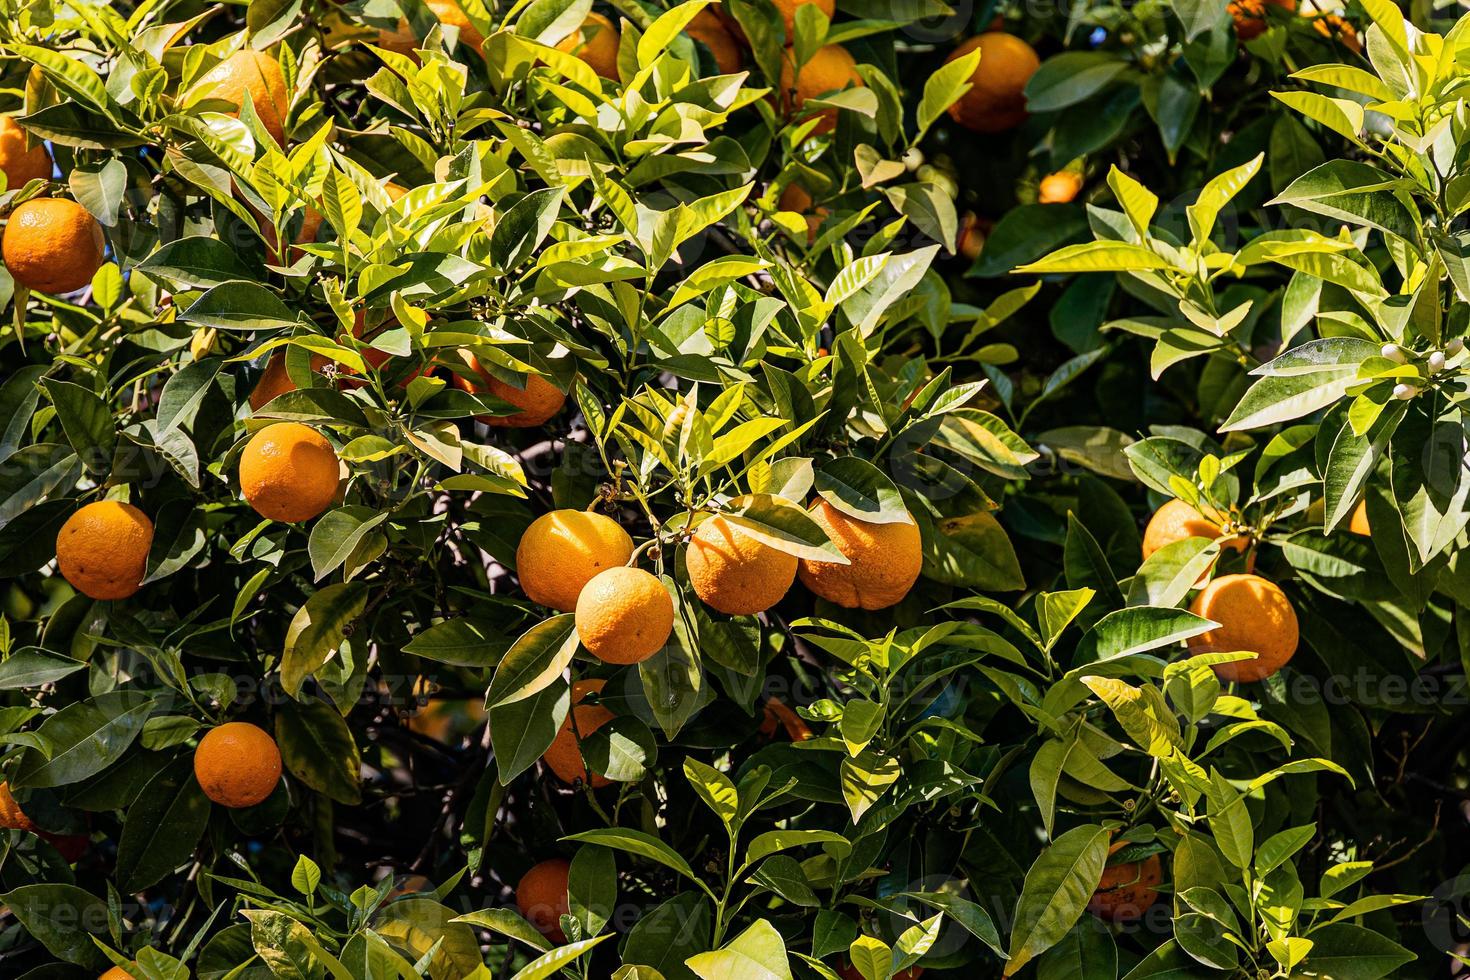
point(116, 973)
point(52, 245)
point(1250, 15)
point(1254, 615)
point(563, 549)
point(733, 572)
point(996, 100)
point(538, 401)
point(564, 756)
point(830, 69)
point(787, 10)
point(237, 764)
point(289, 472)
point(796, 198)
point(1126, 891)
point(1333, 26)
point(1358, 522)
point(595, 42)
point(1059, 188)
point(253, 75)
point(885, 560)
point(274, 382)
point(11, 815)
point(710, 31)
point(776, 714)
point(402, 40)
point(1177, 520)
point(624, 615)
point(971, 240)
point(102, 549)
point(19, 163)
point(542, 898)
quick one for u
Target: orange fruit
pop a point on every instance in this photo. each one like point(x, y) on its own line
point(274, 381)
point(595, 42)
point(885, 560)
point(1333, 26)
point(710, 31)
point(116, 973)
point(289, 472)
point(776, 714)
point(562, 550)
point(402, 40)
point(830, 69)
point(541, 896)
point(52, 245)
point(410, 885)
point(1250, 15)
point(11, 815)
point(624, 615)
point(1254, 615)
point(796, 198)
point(733, 572)
point(252, 75)
point(564, 756)
point(1128, 890)
point(1059, 188)
point(1177, 520)
point(1358, 522)
point(996, 100)
point(237, 764)
point(538, 401)
point(21, 164)
point(787, 10)
point(102, 549)
point(971, 239)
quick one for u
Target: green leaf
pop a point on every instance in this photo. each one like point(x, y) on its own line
point(715, 789)
point(1344, 951)
point(944, 88)
point(239, 305)
point(64, 919)
point(337, 535)
point(87, 422)
point(317, 748)
point(551, 963)
point(859, 489)
point(82, 739)
point(523, 730)
point(1141, 628)
point(758, 953)
point(1101, 256)
point(1056, 891)
point(162, 827)
point(639, 843)
point(318, 629)
point(521, 229)
point(1072, 77)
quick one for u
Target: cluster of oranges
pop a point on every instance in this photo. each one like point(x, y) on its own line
point(582, 562)
point(1253, 613)
point(1251, 21)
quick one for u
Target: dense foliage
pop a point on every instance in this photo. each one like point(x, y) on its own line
point(960, 473)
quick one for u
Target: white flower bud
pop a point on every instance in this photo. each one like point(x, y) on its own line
point(1394, 353)
point(1404, 392)
point(1454, 347)
point(1436, 362)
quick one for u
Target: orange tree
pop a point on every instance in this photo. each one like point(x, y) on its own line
point(527, 490)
